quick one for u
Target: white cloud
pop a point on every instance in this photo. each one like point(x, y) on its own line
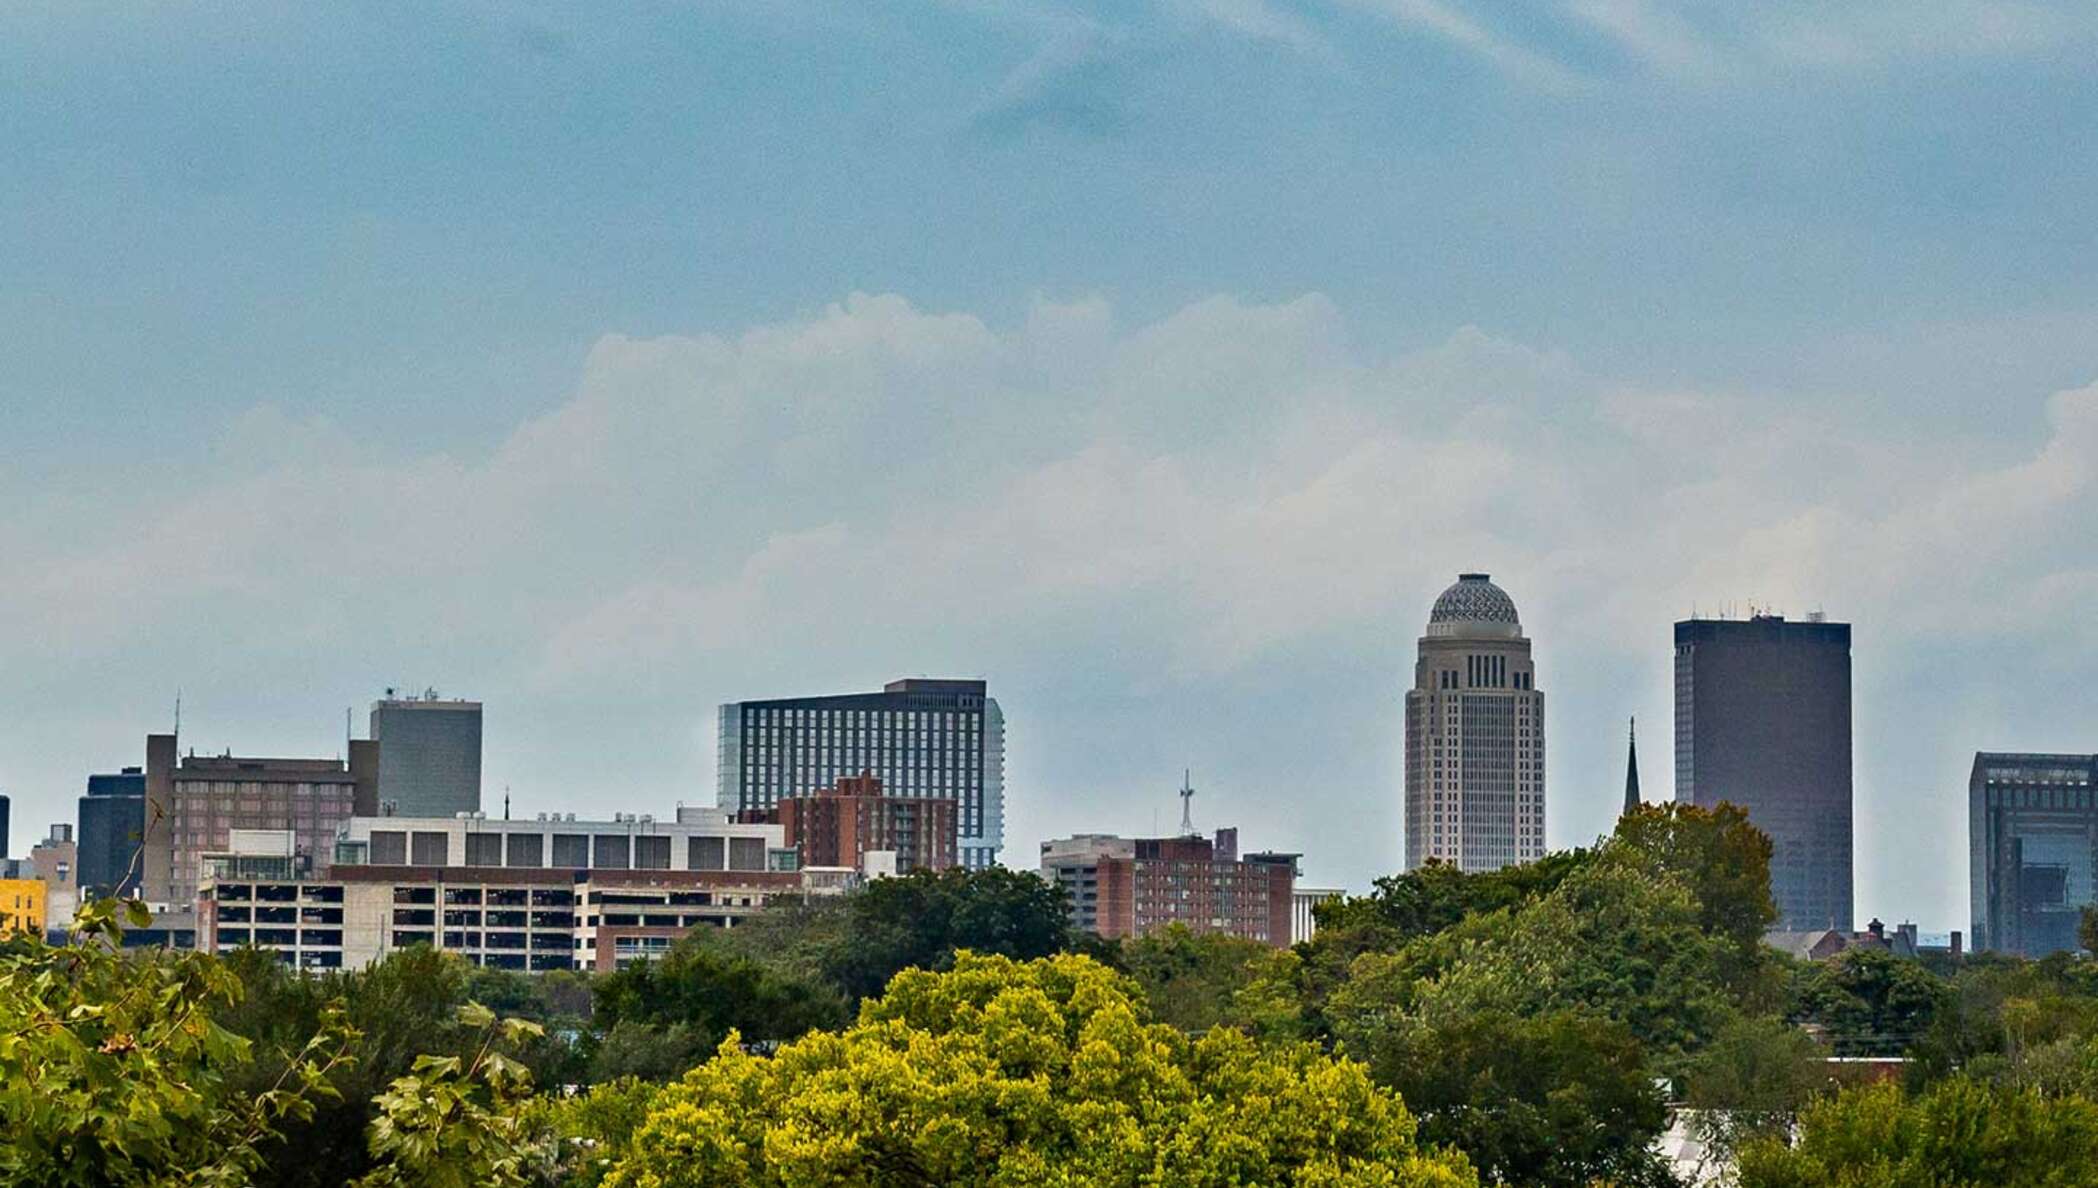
point(1229, 502)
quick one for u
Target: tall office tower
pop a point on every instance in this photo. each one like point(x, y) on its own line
point(1474, 735)
point(2032, 831)
point(1762, 719)
point(429, 755)
point(4, 808)
point(920, 738)
point(112, 823)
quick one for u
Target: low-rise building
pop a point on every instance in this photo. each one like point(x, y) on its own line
point(56, 862)
point(1303, 923)
point(1127, 887)
point(21, 907)
point(530, 895)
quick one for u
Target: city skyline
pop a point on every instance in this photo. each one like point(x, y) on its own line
point(1158, 363)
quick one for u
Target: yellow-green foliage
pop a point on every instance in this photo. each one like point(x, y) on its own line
point(1044, 1072)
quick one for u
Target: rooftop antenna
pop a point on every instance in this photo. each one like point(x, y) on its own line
point(506, 802)
point(1187, 803)
point(178, 715)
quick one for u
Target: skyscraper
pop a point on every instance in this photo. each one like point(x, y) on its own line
point(2032, 837)
point(429, 755)
point(920, 738)
point(1474, 735)
point(1762, 719)
point(112, 824)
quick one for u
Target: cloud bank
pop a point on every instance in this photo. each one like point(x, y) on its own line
point(1207, 540)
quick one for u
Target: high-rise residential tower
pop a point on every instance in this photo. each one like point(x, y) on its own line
point(921, 738)
point(2032, 836)
point(429, 755)
point(1474, 735)
point(1762, 719)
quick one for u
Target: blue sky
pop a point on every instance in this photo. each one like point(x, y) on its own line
point(1158, 361)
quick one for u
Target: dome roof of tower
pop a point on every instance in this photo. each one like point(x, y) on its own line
point(1474, 599)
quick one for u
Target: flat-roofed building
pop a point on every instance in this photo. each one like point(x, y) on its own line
point(194, 803)
point(21, 907)
point(429, 755)
point(1127, 887)
point(922, 738)
point(2032, 836)
point(853, 825)
point(529, 895)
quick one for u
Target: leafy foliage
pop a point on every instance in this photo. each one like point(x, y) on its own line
point(453, 1122)
point(1043, 1072)
point(114, 1071)
point(1959, 1134)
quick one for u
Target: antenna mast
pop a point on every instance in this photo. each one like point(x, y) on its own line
point(1187, 803)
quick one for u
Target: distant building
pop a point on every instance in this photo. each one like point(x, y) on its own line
point(1303, 924)
point(56, 861)
point(853, 826)
point(553, 893)
point(1474, 735)
point(2032, 831)
point(5, 810)
point(1762, 720)
point(1820, 944)
point(1127, 887)
point(429, 761)
point(931, 739)
point(194, 803)
point(112, 826)
point(21, 907)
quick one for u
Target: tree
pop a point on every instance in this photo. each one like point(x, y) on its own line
point(114, 1070)
point(454, 1122)
point(1958, 1134)
point(1868, 1001)
point(1564, 1098)
point(1751, 1083)
point(1611, 939)
point(1717, 854)
point(2087, 928)
point(1192, 980)
point(858, 942)
point(710, 992)
point(1039, 1072)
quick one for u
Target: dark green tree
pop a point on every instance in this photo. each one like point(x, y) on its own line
point(1193, 980)
point(1868, 1002)
point(1958, 1134)
point(1559, 1099)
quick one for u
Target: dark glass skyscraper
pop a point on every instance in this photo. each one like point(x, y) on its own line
point(1762, 719)
point(112, 825)
point(2032, 838)
point(930, 738)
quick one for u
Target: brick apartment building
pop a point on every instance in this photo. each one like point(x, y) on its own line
point(1122, 887)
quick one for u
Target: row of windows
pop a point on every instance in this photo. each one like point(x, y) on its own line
point(570, 851)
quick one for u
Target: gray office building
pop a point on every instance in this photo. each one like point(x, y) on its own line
point(112, 827)
point(429, 755)
point(1762, 720)
point(2032, 833)
point(941, 739)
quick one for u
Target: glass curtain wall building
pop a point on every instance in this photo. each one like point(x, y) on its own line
point(1762, 721)
point(942, 739)
point(2032, 837)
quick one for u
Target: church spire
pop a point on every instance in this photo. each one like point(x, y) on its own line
point(1631, 767)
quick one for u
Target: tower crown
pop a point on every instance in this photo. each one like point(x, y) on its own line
point(1474, 607)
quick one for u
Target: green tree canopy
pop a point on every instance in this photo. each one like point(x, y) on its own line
point(1958, 1134)
point(1026, 1073)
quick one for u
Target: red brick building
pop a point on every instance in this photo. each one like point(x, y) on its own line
point(840, 826)
point(1134, 886)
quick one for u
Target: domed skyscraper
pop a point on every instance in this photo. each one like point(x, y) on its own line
point(1474, 735)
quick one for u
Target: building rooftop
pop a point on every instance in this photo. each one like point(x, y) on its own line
point(1474, 606)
